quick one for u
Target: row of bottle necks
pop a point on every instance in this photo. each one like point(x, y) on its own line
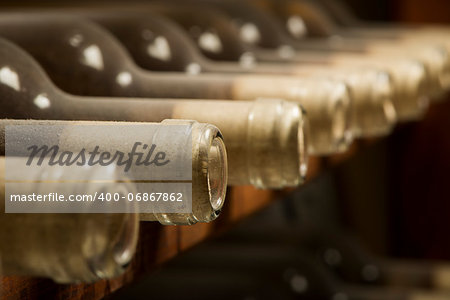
point(57, 69)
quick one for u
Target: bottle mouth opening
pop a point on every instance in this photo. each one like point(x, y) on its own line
point(217, 173)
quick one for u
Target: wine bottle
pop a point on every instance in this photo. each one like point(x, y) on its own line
point(343, 20)
point(434, 58)
point(209, 19)
point(372, 112)
point(409, 99)
point(412, 88)
point(369, 117)
point(255, 130)
point(68, 248)
point(116, 65)
point(432, 51)
point(411, 85)
point(209, 161)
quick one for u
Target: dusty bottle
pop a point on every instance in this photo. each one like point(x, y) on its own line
point(229, 21)
point(339, 19)
point(96, 57)
point(158, 43)
point(406, 73)
point(370, 91)
point(434, 62)
point(411, 85)
point(254, 130)
point(68, 248)
point(126, 28)
point(434, 54)
point(211, 26)
point(319, 19)
point(116, 65)
point(335, 13)
point(208, 154)
point(316, 96)
point(276, 50)
point(374, 108)
point(327, 104)
point(411, 88)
